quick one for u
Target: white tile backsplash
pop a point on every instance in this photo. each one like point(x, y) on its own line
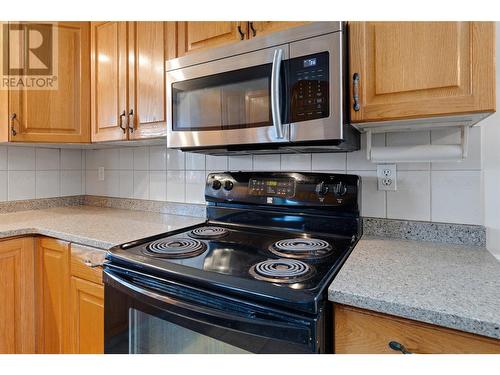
point(21, 158)
point(463, 204)
point(3, 186)
point(412, 200)
point(48, 184)
point(447, 192)
point(21, 185)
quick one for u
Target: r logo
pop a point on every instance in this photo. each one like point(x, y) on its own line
point(29, 48)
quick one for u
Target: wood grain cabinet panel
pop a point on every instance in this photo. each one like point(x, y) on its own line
point(61, 115)
point(259, 28)
point(87, 316)
point(147, 113)
point(109, 80)
point(53, 296)
point(198, 35)
point(359, 331)
point(17, 296)
point(422, 69)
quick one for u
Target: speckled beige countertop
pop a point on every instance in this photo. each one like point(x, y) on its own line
point(454, 286)
point(92, 226)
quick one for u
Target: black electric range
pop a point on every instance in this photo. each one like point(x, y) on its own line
point(270, 247)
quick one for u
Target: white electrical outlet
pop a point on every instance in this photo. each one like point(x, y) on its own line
point(387, 177)
point(100, 174)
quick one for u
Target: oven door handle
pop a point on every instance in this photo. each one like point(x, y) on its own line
point(210, 316)
point(276, 92)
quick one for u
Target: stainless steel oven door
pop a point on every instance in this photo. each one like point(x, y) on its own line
point(230, 101)
point(149, 315)
point(331, 127)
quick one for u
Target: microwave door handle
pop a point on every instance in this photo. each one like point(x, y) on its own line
point(275, 93)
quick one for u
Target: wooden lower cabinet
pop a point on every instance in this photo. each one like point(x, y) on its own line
point(53, 296)
point(87, 300)
point(359, 331)
point(17, 296)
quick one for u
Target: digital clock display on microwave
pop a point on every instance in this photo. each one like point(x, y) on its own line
point(309, 62)
point(284, 188)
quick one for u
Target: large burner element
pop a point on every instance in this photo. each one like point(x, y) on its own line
point(301, 248)
point(281, 271)
point(209, 232)
point(176, 248)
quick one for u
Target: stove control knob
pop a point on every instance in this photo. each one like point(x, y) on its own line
point(339, 189)
point(322, 189)
point(228, 185)
point(216, 185)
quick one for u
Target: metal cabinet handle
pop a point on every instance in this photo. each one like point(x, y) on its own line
point(355, 92)
point(396, 346)
point(90, 264)
point(254, 32)
point(122, 115)
point(242, 34)
point(275, 93)
point(131, 120)
point(12, 128)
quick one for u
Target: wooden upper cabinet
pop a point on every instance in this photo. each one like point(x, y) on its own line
point(147, 113)
point(422, 69)
point(53, 296)
point(109, 80)
point(17, 296)
point(61, 115)
point(198, 35)
point(258, 28)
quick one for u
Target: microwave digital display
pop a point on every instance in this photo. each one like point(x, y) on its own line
point(309, 62)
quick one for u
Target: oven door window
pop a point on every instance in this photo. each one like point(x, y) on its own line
point(230, 100)
point(152, 335)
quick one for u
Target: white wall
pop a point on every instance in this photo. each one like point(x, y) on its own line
point(441, 192)
point(491, 167)
point(34, 172)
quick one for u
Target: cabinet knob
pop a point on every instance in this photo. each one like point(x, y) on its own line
point(252, 28)
point(355, 92)
point(13, 116)
point(396, 346)
point(131, 121)
point(242, 34)
point(122, 115)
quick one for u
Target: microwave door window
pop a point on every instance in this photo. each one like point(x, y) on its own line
point(198, 109)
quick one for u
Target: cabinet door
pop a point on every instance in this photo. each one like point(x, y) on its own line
point(4, 103)
point(195, 36)
point(358, 331)
point(52, 280)
point(258, 28)
point(63, 114)
point(109, 80)
point(147, 114)
point(422, 69)
point(87, 316)
point(17, 296)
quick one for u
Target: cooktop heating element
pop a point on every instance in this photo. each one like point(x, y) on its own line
point(176, 248)
point(209, 232)
point(301, 248)
point(282, 271)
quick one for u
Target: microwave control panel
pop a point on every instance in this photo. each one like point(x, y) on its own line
point(309, 85)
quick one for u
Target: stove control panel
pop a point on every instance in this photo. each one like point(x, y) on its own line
point(285, 189)
point(275, 187)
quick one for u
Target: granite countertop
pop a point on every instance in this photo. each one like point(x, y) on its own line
point(454, 286)
point(92, 226)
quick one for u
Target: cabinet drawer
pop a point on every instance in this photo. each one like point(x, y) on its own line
point(359, 331)
point(86, 261)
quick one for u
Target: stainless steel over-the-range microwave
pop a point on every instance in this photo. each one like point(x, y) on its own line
point(285, 91)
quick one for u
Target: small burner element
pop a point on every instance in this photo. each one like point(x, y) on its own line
point(301, 248)
point(209, 232)
point(176, 248)
point(282, 271)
